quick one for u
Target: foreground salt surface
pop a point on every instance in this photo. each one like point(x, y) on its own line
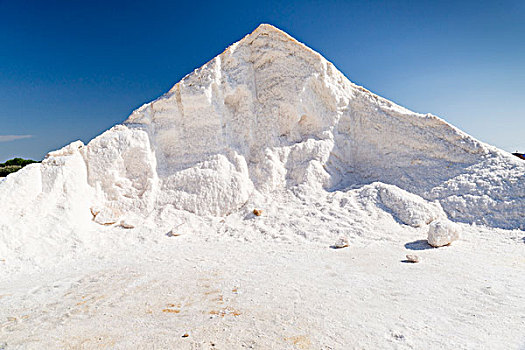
point(226, 292)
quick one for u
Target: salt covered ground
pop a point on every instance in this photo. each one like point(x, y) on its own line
point(146, 237)
point(229, 293)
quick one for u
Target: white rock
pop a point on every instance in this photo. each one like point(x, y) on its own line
point(175, 231)
point(107, 216)
point(341, 243)
point(126, 225)
point(441, 233)
point(413, 258)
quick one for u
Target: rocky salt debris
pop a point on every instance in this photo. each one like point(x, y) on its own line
point(105, 215)
point(175, 231)
point(442, 233)
point(413, 258)
point(342, 242)
point(126, 224)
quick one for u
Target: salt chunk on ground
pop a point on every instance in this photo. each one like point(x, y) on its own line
point(413, 258)
point(126, 224)
point(107, 216)
point(174, 232)
point(341, 243)
point(441, 233)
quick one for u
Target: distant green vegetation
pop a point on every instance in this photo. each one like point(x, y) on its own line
point(13, 165)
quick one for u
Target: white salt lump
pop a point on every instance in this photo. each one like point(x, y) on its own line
point(413, 258)
point(441, 233)
point(342, 242)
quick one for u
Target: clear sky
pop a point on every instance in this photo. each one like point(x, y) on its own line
point(71, 69)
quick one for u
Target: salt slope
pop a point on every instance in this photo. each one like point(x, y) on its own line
point(271, 114)
point(266, 118)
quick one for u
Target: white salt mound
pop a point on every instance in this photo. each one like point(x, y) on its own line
point(271, 119)
point(441, 233)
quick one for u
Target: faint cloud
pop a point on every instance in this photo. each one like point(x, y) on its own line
point(7, 138)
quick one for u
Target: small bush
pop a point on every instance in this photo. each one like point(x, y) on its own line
point(13, 165)
point(19, 161)
point(6, 170)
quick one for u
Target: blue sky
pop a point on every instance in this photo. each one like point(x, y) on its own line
point(71, 69)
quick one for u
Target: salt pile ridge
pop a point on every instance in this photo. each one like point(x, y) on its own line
point(265, 121)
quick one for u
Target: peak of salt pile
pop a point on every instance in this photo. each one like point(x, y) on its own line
point(267, 116)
